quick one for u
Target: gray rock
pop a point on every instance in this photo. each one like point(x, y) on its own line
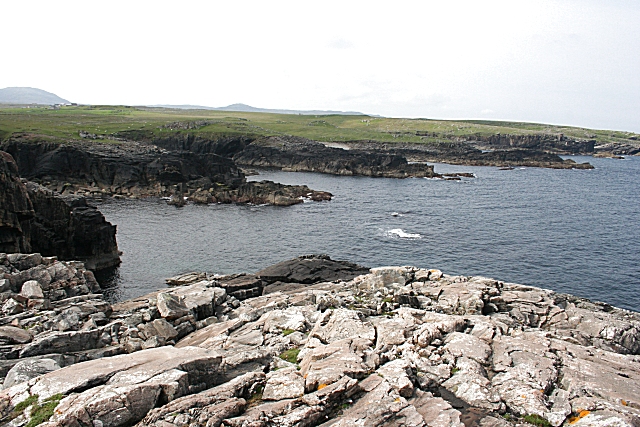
point(13, 335)
point(28, 369)
point(397, 373)
point(185, 279)
point(12, 307)
point(340, 324)
point(159, 328)
point(31, 289)
point(311, 269)
point(282, 384)
point(170, 306)
point(323, 365)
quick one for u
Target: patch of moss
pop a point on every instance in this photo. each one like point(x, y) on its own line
point(256, 397)
point(286, 332)
point(388, 300)
point(290, 355)
point(20, 407)
point(536, 420)
point(41, 413)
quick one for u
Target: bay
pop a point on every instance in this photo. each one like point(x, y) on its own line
point(573, 231)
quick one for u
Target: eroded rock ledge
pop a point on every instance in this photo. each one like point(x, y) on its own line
point(34, 218)
point(134, 170)
point(394, 346)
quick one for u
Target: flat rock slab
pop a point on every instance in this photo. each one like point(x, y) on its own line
point(284, 384)
point(125, 369)
point(311, 269)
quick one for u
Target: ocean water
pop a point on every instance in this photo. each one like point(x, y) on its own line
point(571, 231)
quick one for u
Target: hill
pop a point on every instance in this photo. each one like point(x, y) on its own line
point(29, 95)
point(244, 108)
point(113, 123)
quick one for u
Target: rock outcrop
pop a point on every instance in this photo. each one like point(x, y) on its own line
point(466, 153)
point(70, 228)
point(124, 168)
point(131, 169)
point(33, 218)
point(299, 154)
point(15, 206)
point(559, 144)
point(394, 346)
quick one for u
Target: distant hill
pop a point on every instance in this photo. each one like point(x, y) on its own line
point(29, 95)
point(249, 109)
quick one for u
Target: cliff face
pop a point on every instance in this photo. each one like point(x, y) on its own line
point(15, 206)
point(298, 154)
point(551, 143)
point(135, 169)
point(223, 146)
point(128, 169)
point(36, 219)
point(71, 229)
point(466, 153)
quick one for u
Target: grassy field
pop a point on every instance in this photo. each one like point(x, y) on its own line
point(64, 125)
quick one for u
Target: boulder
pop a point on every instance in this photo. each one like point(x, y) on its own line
point(14, 335)
point(170, 306)
point(11, 306)
point(31, 289)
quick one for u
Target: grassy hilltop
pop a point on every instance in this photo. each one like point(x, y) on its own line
point(134, 123)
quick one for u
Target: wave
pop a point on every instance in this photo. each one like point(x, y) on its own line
point(402, 234)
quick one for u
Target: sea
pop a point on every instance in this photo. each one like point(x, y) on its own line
point(572, 231)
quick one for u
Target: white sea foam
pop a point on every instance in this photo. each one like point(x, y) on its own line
point(403, 235)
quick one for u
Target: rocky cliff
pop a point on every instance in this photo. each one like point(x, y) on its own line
point(394, 346)
point(299, 154)
point(34, 218)
point(466, 153)
point(132, 169)
point(15, 206)
point(559, 144)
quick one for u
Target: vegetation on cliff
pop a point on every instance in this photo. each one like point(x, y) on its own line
point(111, 123)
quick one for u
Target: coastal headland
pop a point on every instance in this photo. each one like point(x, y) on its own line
point(203, 155)
point(311, 341)
point(308, 341)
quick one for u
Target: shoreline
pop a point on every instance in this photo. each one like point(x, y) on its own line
point(315, 339)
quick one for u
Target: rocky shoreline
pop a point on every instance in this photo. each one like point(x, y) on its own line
point(135, 170)
point(311, 341)
point(470, 153)
point(34, 218)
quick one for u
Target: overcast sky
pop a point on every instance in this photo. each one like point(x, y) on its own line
point(563, 62)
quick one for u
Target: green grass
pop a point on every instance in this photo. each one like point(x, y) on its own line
point(20, 407)
point(290, 355)
point(286, 332)
point(137, 123)
point(40, 413)
point(536, 420)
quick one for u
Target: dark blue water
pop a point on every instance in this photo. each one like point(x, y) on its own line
point(570, 231)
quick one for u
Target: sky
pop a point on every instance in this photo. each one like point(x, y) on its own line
point(560, 62)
